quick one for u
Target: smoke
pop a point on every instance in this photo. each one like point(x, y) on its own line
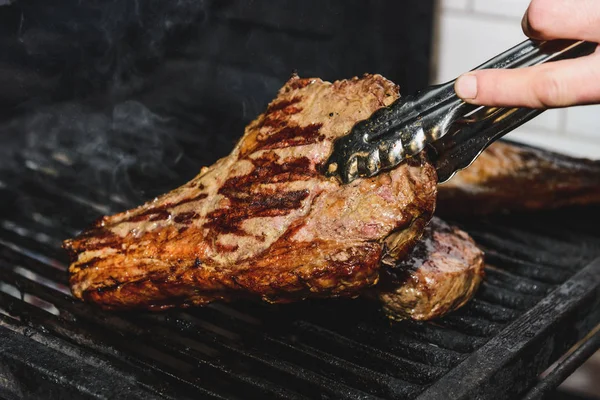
point(68, 49)
point(94, 104)
point(120, 156)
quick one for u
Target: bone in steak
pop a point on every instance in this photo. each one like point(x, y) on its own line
point(515, 177)
point(264, 222)
point(440, 274)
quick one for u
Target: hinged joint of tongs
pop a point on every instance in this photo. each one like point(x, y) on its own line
point(457, 132)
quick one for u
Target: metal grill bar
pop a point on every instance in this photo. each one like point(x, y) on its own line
point(534, 249)
point(553, 326)
point(57, 375)
point(154, 354)
point(330, 349)
point(566, 367)
point(472, 326)
point(489, 311)
point(375, 359)
point(541, 273)
point(517, 283)
point(507, 297)
point(315, 338)
point(404, 345)
point(51, 333)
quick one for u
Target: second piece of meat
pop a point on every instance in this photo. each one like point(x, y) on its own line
point(440, 274)
point(516, 177)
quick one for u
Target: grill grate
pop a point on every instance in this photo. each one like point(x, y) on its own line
point(537, 300)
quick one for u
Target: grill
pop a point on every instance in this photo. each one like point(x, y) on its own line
point(537, 308)
point(540, 298)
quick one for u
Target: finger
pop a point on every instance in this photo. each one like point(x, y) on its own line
point(557, 84)
point(563, 19)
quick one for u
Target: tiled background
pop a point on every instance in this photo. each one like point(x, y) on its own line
point(472, 31)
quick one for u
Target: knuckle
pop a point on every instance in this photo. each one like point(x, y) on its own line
point(547, 90)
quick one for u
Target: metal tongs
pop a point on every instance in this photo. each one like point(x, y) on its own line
point(453, 132)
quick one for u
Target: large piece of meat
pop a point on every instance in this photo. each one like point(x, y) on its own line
point(264, 222)
point(516, 177)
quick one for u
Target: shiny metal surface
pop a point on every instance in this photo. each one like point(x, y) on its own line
point(407, 126)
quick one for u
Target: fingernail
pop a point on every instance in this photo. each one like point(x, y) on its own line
point(466, 87)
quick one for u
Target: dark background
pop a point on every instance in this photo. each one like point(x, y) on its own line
point(133, 97)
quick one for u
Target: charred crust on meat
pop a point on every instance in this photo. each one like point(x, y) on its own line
point(299, 83)
point(401, 270)
point(89, 263)
point(284, 105)
point(198, 197)
point(99, 232)
point(71, 252)
point(229, 220)
point(153, 214)
point(96, 238)
point(290, 136)
point(226, 248)
point(268, 170)
point(162, 212)
point(99, 222)
point(186, 217)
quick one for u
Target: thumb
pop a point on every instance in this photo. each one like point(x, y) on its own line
point(556, 84)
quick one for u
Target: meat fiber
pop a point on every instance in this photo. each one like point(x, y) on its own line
point(440, 274)
point(264, 222)
point(515, 177)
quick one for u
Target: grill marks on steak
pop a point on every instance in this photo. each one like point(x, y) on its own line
point(255, 205)
point(290, 136)
point(250, 195)
point(162, 212)
point(269, 169)
point(263, 222)
point(286, 133)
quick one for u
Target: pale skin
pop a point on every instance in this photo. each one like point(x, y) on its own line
point(557, 84)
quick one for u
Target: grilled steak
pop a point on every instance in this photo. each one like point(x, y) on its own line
point(264, 222)
point(441, 274)
point(513, 177)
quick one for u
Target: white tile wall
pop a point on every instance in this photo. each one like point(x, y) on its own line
point(472, 31)
point(467, 41)
point(584, 121)
point(549, 120)
point(509, 8)
point(573, 146)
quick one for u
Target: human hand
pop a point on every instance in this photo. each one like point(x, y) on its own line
point(555, 84)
